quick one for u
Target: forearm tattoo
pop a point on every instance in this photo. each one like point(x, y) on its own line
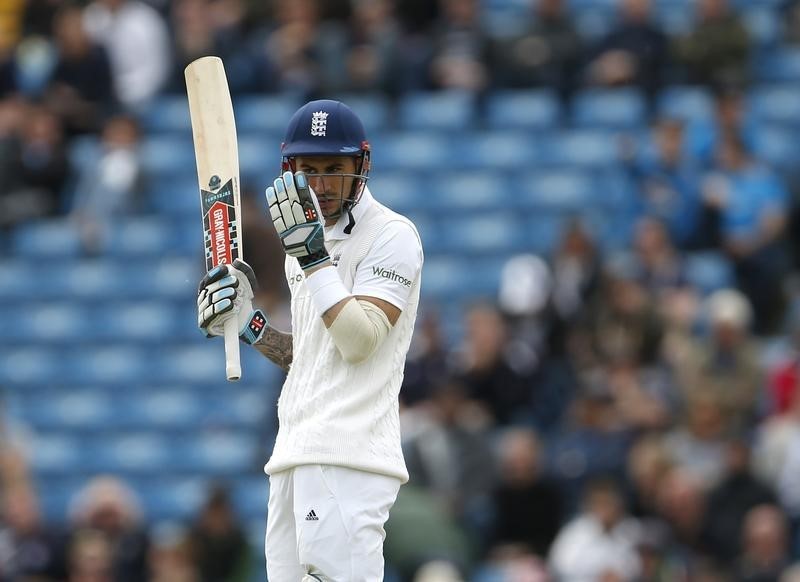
point(277, 346)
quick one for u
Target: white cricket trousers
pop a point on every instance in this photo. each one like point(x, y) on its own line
point(326, 523)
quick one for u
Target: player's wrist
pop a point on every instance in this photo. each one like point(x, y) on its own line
point(254, 328)
point(326, 288)
point(316, 266)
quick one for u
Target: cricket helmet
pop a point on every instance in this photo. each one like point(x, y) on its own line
point(328, 128)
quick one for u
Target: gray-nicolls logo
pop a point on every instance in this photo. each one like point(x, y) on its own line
point(319, 123)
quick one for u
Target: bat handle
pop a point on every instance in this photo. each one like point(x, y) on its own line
point(233, 367)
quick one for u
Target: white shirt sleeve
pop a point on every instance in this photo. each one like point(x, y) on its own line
point(391, 266)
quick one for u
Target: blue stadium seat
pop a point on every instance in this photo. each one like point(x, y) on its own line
point(559, 191)
point(596, 19)
point(165, 156)
point(148, 321)
point(374, 111)
point(781, 65)
point(400, 191)
point(250, 495)
point(56, 453)
point(61, 321)
point(110, 364)
point(176, 195)
point(609, 108)
point(169, 113)
point(264, 114)
point(581, 148)
point(487, 233)
point(708, 271)
point(131, 453)
point(776, 104)
point(75, 410)
point(202, 363)
point(454, 279)
point(763, 25)
point(534, 109)
point(674, 16)
point(29, 365)
point(164, 409)
point(777, 145)
point(417, 150)
point(173, 498)
point(223, 453)
point(685, 103)
point(499, 150)
point(443, 110)
point(469, 191)
point(53, 238)
point(143, 237)
point(259, 158)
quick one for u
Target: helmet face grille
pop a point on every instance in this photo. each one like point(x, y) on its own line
point(330, 192)
point(329, 128)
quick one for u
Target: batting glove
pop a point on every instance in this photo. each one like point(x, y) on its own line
point(227, 291)
point(296, 215)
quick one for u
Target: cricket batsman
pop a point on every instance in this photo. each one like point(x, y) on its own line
point(353, 267)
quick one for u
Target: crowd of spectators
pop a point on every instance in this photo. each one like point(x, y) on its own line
point(600, 419)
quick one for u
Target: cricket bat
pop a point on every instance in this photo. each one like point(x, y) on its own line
point(217, 154)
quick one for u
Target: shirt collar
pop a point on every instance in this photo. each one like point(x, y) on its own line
point(336, 232)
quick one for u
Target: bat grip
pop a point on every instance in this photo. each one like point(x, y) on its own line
point(233, 367)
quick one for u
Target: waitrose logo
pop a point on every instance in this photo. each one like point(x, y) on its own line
point(392, 275)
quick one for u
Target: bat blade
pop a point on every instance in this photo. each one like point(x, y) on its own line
point(217, 155)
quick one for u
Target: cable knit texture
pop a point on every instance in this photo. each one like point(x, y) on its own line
point(332, 412)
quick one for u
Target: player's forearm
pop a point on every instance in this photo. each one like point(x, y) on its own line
point(277, 346)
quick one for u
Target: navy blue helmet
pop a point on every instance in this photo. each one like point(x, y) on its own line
point(328, 128)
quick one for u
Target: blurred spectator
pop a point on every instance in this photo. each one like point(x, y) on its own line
point(644, 397)
point(723, 368)
point(137, 40)
point(109, 186)
point(39, 16)
point(374, 54)
point(698, 446)
point(667, 183)
point(171, 558)
point(575, 272)
point(753, 203)
point(486, 371)
point(91, 558)
point(212, 27)
point(546, 54)
point(109, 533)
point(777, 458)
point(765, 545)
point(30, 549)
point(783, 373)
point(460, 48)
point(448, 453)
point(731, 117)
point(426, 364)
point(600, 543)
point(717, 51)
point(660, 266)
point(681, 504)
point(635, 53)
point(790, 21)
point(648, 463)
point(33, 162)
point(220, 548)
point(623, 321)
point(419, 530)
point(729, 502)
point(299, 54)
point(81, 88)
point(528, 508)
point(591, 443)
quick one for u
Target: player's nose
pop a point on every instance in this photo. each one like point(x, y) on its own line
point(316, 183)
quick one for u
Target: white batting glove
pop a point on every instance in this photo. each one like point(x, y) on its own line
point(296, 215)
point(227, 291)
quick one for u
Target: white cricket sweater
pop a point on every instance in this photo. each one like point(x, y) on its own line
point(331, 412)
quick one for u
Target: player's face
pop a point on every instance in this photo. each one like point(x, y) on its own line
point(331, 178)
